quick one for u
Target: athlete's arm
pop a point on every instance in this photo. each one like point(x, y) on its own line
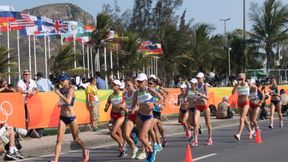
point(70, 95)
point(235, 88)
point(108, 103)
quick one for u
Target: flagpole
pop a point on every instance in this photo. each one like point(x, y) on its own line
point(105, 67)
point(49, 50)
point(118, 72)
point(156, 67)
point(88, 61)
point(35, 59)
point(111, 62)
point(45, 55)
point(61, 37)
point(29, 48)
point(8, 48)
point(92, 69)
point(83, 54)
point(97, 60)
point(74, 49)
point(18, 53)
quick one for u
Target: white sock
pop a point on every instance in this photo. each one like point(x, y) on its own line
point(15, 149)
point(11, 150)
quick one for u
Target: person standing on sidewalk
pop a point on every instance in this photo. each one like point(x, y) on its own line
point(28, 88)
point(93, 102)
point(67, 117)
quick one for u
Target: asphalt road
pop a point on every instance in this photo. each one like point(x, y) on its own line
point(225, 148)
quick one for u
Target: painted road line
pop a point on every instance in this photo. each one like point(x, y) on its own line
point(204, 157)
point(110, 145)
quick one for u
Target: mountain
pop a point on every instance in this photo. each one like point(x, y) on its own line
point(64, 11)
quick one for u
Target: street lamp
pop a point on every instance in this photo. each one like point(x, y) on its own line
point(229, 66)
point(225, 44)
point(225, 34)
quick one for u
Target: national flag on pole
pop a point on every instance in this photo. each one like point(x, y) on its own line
point(150, 48)
point(22, 23)
point(9, 16)
point(42, 26)
point(83, 34)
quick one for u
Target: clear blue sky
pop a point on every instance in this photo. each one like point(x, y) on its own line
point(208, 11)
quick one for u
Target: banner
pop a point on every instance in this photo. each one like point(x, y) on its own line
point(44, 112)
point(12, 109)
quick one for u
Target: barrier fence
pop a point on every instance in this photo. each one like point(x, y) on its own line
point(43, 110)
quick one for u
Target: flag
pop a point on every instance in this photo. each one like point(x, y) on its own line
point(60, 26)
point(150, 48)
point(42, 26)
point(22, 23)
point(3, 26)
point(9, 16)
point(84, 33)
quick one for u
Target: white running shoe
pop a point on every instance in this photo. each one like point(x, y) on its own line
point(141, 156)
point(134, 153)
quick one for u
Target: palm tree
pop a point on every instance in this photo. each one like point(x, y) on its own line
point(204, 52)
point(64, 61)
point(269, 26)
point(4, 61)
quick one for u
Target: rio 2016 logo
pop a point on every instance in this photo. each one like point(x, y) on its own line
point(6, 110)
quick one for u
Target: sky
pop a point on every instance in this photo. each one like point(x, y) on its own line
point(202, 11)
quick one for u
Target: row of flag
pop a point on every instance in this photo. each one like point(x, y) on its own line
point(43, 26)
point(67, 30)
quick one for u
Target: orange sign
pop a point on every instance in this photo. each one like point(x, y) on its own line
point(12, 109)
point(44, 111)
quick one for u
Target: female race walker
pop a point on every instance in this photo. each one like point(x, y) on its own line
point(256, 99)
point(243, 90)
point(116, 99)
point(183, 111)
point(201, 105)
point(131, 118)
point(275, 104)
point(144, 97)
point(191, 95)
point(67, 116)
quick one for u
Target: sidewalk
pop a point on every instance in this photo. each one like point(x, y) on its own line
point(33, 147)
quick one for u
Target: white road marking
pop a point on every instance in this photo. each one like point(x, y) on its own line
point(204, 157)
point(110, 145)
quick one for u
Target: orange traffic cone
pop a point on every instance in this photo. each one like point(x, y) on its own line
point(188, 157)
point(258, 139)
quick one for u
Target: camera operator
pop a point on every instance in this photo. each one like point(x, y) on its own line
point(8, 141)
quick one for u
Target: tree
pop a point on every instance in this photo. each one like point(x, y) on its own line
point(64, 61)
point(269, 27)
point(4, 61)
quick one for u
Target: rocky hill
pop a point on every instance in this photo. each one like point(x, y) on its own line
point(65, 11)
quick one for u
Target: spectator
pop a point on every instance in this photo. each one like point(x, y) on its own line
point(223, 110)
point(101, 84)
point(93, 102)
point(43, 85)
point(5, 87)
point(28, 88)
point(7, 137)
point(283, 98)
